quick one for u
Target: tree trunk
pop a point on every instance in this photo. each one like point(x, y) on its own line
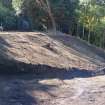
point(46, 7)
point(89, 36)
point(102, 41)
point(51, 17)
point(77, 32)
point(83, 32)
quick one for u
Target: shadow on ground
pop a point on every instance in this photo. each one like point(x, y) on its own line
point(23, 86)
point(19, 78)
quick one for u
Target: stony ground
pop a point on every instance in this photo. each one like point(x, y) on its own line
point(30, 90)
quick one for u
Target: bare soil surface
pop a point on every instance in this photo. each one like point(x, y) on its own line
point(61, 70)
point(29, 90)
point(62, 51)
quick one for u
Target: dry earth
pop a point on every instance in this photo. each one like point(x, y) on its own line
point(29, 90)
point(64, 51)
point(68, 65)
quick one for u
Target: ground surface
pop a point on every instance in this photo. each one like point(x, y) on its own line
point(28, 90)
point(64, 51)
point(62, 70)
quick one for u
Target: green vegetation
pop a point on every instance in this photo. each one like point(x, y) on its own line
point(91, 17)
point(81, 18)
point(7, 17)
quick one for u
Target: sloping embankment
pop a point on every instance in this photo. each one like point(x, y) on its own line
point(60, 51)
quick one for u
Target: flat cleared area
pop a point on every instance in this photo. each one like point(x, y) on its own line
point(61, 70)
point(29, 90)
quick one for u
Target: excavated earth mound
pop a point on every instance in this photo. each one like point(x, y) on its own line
point(19, 49)
point(45, 69)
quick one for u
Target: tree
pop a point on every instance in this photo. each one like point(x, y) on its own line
point(17, 4)
point(91, 14)
point(45, 5)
